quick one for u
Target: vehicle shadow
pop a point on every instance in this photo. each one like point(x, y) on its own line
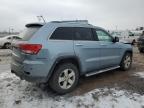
point(86, 84)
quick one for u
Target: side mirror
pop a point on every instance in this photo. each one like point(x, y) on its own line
point(116, 39)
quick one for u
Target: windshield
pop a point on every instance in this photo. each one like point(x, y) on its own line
point(28, 33)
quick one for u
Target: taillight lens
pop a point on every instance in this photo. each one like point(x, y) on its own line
point(30, 48)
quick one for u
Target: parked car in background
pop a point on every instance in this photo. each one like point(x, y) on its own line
point(5, 42)
point(129, 37)
point(116, 34)
point(141, 44)
point(59, 52)
point(119, 34)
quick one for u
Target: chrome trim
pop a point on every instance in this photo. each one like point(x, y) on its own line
point(101, 71)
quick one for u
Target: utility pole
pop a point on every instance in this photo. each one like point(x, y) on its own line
point(12, 30)
point(9, 30)
point(116, 27)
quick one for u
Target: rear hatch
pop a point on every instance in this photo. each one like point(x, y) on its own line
point(22, 47)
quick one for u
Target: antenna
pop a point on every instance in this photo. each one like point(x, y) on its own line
point(41, 18)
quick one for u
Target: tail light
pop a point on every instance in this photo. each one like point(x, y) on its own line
point(30, 48)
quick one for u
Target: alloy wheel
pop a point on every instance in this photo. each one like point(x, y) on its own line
point(127, 61)
point(66, 78)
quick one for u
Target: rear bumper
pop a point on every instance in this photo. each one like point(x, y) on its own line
point(29, 78)
point(31, 72)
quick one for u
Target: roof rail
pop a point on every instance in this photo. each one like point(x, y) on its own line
point(72, 21)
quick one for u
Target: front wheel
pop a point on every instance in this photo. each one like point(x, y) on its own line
point(126, 62)
point(65, 78)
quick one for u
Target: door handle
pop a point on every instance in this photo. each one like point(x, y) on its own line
point(79, 44)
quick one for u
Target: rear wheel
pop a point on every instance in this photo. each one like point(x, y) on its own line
point(126, 62)
point(7, 45)
point(65, 78)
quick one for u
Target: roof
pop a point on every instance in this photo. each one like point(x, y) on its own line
point(70, 23)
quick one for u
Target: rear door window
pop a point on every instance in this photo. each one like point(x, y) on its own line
point(15, 37)
point(83, 34)
point(28, 33)
point(63, 33)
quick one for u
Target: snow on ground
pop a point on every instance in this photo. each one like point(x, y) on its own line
point(4, 67)
point(15, 93)
point(5, 60)
point(139, 74)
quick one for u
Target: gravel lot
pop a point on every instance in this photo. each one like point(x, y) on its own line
point(114, 89)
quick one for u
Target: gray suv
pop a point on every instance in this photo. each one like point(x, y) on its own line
point(59, 52)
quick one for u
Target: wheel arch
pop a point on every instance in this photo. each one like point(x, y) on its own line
point(7, 43)
point(122, 65)
point(64, 59)
point(127, 51)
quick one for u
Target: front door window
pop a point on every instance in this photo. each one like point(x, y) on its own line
point(103, 36)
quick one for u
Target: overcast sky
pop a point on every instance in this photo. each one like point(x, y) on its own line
point(125, 14)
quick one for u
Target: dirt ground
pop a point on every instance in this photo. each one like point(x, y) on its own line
point(116, 78)
point(112, 79)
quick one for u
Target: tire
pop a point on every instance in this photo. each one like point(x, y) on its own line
point(133, 42)
point(141, 50)
point(65, 78)
point(126, 62)
point(7, 45)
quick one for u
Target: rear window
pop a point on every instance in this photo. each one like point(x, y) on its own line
point(28, 33)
